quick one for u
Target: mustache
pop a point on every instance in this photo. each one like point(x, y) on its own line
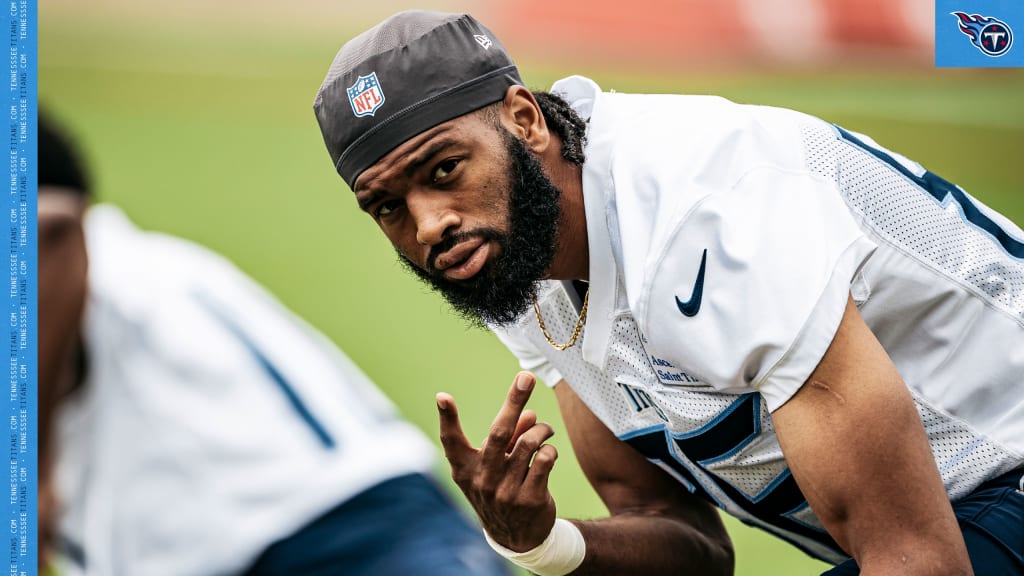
point(450, 240)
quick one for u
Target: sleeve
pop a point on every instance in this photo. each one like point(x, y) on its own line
point(752, 282)
point(529, 357)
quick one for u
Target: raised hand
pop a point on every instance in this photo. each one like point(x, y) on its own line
point(506, 479)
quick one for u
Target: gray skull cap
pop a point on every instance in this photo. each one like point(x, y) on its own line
point(411, 72)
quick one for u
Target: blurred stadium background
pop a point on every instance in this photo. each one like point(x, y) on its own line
point(197, 120)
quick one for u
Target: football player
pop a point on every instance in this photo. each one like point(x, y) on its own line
point(737, 306)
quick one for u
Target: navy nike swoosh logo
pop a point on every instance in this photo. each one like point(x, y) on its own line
point(692, 306)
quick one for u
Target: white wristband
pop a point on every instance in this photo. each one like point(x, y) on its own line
point(559, 554)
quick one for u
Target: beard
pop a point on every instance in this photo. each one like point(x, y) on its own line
point(505, 287)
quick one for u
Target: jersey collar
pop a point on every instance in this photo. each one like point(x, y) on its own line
point(583, 94)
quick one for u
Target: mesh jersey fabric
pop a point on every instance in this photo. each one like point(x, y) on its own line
point(794, 214)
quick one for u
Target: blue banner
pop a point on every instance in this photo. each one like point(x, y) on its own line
point(21, 110)
point(979, 33)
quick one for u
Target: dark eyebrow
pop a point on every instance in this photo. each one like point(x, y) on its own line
point(428, 154)
point(367, 200)
point(414, 164)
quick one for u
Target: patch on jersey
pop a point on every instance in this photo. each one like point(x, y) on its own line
point(366, 95)
point(665, 371)
point(668, 374)
point(993, 37)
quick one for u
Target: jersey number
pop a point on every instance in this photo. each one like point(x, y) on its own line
point(723, 437)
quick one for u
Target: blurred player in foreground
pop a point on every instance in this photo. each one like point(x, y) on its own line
point(201, 428)
point(737, 306)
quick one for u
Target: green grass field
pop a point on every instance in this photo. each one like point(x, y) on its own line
point(204, 129)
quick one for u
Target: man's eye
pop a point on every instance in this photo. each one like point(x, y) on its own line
point(386, 208)
point(444, 169)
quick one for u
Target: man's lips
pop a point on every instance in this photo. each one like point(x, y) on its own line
point(464, 260)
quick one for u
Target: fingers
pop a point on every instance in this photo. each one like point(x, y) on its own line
point(529, 443)
point(504, 426)
point(506, 479)
point(526, 421)
point(514, 439)
point(457, 448)
point(536, 481)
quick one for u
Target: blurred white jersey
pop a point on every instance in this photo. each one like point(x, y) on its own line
point(213, 422)
point(724, 242)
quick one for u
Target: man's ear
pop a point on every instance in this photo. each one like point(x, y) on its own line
point(521, 115)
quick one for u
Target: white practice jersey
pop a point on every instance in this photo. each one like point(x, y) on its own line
point(213, 422)
point(724, 243)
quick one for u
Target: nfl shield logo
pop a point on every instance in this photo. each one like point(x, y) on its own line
point(365, 95)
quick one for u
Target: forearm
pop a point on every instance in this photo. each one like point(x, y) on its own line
point(656, 526)
point(855, 445)
point(631, 543)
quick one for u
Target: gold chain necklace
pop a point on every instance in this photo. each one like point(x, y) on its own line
point(575, 332)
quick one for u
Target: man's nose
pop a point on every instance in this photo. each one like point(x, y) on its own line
point(433, 216)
